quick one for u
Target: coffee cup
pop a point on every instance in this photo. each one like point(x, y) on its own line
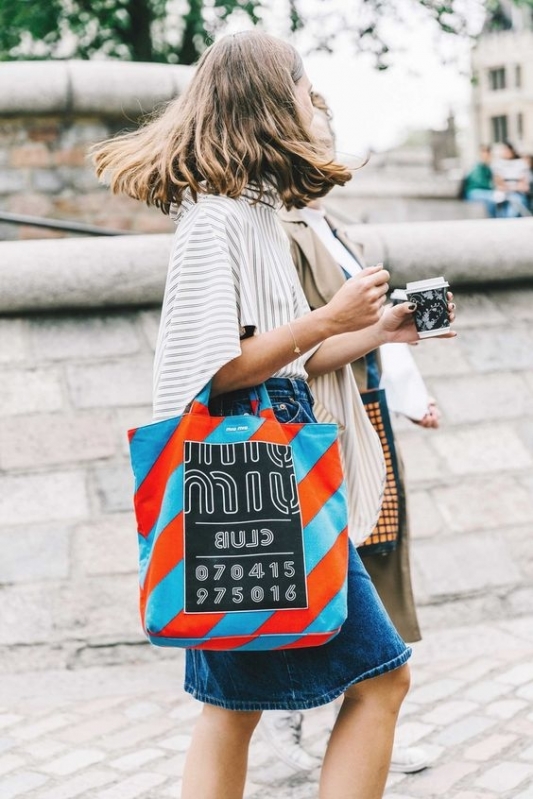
point(398, 296)
point(431, 298)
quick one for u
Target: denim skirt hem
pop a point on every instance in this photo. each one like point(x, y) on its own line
point(300, 704)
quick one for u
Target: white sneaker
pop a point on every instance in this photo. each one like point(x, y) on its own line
point(408, 759)
point(282, 730)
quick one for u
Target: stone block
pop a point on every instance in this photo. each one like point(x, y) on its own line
point(497, 349)
point(112, 384)
point(526, 425)
point(82, 784)
point(425, 519)
point(73, 761)
point(47, 181)
point(54, 496)
point(149, 321)
point(108, 546)
point(12, 181)
point(83, 336)
point(30, 391)
point(38, 553)
point(482, 449)
point(486, 504)
point(505, 776)
point(30, 155)
point(436, 358)
point(421, 462)
point(132, 787)
point(467, 564)
point(13, 340)
point(477, 310)
point(114, 486)
point(482, 397)
point(56, 439)
point(21, 783)
point(464, 730)
point(446, 712)
point(515, 304)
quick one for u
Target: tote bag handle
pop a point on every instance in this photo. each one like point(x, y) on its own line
point(200, 404)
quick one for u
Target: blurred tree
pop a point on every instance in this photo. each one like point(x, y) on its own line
point(177, 31)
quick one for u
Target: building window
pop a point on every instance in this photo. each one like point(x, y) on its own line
point(518, 76)
point(497, 79)
point(520, 125)
point(499, 129)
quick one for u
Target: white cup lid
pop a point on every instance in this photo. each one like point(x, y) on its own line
point(426, 285)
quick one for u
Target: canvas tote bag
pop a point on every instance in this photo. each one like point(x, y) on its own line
point(243, 531)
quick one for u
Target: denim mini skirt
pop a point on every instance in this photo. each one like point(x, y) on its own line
point(294, 679)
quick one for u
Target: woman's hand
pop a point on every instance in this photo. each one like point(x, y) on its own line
point(432, 418)
point(359, 303)
point(397, 323)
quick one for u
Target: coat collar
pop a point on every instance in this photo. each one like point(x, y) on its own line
point(327, 275)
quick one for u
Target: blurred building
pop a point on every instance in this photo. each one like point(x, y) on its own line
point(502, 68)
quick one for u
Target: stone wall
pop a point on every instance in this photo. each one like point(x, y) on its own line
point(73, 381)
point(50, 114)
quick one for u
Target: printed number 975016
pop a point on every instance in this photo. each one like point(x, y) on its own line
point(257, 594)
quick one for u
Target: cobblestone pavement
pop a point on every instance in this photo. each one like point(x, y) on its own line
point(121, 732)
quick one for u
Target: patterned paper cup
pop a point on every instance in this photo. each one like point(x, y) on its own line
point(431, 315)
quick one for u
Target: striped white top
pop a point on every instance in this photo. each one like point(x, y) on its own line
point(231, 274)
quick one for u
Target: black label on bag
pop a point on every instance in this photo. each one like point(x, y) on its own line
point(243, 529)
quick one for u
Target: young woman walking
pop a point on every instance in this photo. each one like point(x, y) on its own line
point(225, 156)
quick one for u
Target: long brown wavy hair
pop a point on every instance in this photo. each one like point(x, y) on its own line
point(236, 124)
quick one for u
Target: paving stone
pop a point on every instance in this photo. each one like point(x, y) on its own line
point(468, 563)
point(75, 760)
point(54, 496)
point(527, 794)
point(135, 734)
point(491, 502)
point(7, 719)
point(29, 732)
point(10, 762)
point(437, 689)
point(518, 675)
point(21, 783)
point(484, 449)
point(78, 785)
point(505, 776)
point(136, 759)
point(28, 391)
point(486, 691)
point(447, 712)
point(132, 786)
point(489, 747)
point(442, 778)
point(92, 729)
point(44, 749)
point(83, 336)
point(56, 439)
point(505, 708)
point(464, 730)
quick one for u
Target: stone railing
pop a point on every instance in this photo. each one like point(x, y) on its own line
point(78, 322)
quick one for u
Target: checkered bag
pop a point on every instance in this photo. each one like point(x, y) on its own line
point(386, 533)
point(243, 531)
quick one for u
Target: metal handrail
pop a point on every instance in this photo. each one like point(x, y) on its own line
point(58, 224)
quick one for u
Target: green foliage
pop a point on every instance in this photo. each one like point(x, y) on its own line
point(177, 31)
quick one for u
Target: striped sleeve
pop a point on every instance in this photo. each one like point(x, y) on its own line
point(207, 305)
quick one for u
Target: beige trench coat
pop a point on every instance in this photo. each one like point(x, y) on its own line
point(321, 277)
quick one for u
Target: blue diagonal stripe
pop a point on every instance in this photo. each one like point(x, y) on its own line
point(333, 615)
point(322, 531)
point(309, 445)
point(165, 601)
point(148, 443)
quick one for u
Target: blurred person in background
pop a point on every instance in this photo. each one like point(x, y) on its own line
point(512, 178)
point(478, 185)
